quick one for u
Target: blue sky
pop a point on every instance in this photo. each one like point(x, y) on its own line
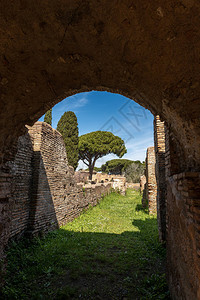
point(110, 112)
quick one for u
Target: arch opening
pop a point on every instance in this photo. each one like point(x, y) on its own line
point(51, 50)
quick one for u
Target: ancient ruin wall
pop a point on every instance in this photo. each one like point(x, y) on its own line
point(118, 182)
point(151, 185)
point(182, 225)
point(143, 190)
point(183, 235)
point(65, 47)
point(5, 193)
point(44, 192)
point(50, 64)
point(21, 186)
point(159, 140)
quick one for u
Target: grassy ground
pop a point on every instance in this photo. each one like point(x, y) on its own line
point(109, 252)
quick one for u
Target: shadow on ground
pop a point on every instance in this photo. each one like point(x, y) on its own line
point(89, 265)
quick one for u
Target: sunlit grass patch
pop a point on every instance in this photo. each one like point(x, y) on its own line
point(110, 251)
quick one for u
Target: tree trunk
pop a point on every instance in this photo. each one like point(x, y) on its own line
point(90, 172)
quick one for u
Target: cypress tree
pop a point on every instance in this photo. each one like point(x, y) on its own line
point(48, 117)
point(68, 127)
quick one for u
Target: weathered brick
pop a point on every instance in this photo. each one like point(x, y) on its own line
point(45, 194)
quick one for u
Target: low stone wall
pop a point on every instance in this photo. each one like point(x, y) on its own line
point(45, 194)
point(118, 182)
point(81, 176)
point(143, 191)
point(98, 177)
point(131, 185)
point(94, 192)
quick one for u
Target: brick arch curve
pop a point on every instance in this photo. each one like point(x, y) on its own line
point(146, 51)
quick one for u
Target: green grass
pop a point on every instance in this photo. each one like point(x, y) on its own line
point(110, 252)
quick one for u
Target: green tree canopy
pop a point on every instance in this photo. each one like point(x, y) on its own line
point(68, 127)
point(116, 166)
point(48, 117)
point(97, 144)
point(95, 169)
point(134, 171)
point(130, 168)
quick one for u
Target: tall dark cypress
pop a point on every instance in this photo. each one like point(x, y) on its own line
point(48, 117)
point(68, 127)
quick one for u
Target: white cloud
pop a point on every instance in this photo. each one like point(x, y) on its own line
point(142, 142)
point(72, 103)
point(77, 102)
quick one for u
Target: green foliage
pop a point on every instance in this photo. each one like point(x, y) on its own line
point(68, 127)
point(48, 117)
point(116, 166)
point(131, 169)
point(134, 171)
point(154, 287)
point(116, 240)
point(95, 169)
point(96, 144)
point(83, 191)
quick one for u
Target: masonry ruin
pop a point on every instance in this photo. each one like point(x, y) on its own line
point(149, 184)
point(174, 195)
point(118, 182)
point(45, 194)
point(159, 140)
point(145, 50)
point(153, 183)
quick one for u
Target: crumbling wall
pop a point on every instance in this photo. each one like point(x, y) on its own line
point(81, 176)
point(45, 194)
point(159, 140)
point(118, 182)
point(143, 181)
point(143, 190)
point(151, 184)
point(132, 185)
point(51, 179)
point(94, 192)
point(21, 170)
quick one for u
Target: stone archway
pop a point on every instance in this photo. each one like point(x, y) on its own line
point(146, 51)
point(149, 52)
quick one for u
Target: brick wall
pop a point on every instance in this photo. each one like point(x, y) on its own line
point(182, 223)
point(143, 190)
point(45, 194)
point(183, 235)
point(5, 204)
point(21, 169)
point(159, 141)
point(94, 192)
point(151, 185)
